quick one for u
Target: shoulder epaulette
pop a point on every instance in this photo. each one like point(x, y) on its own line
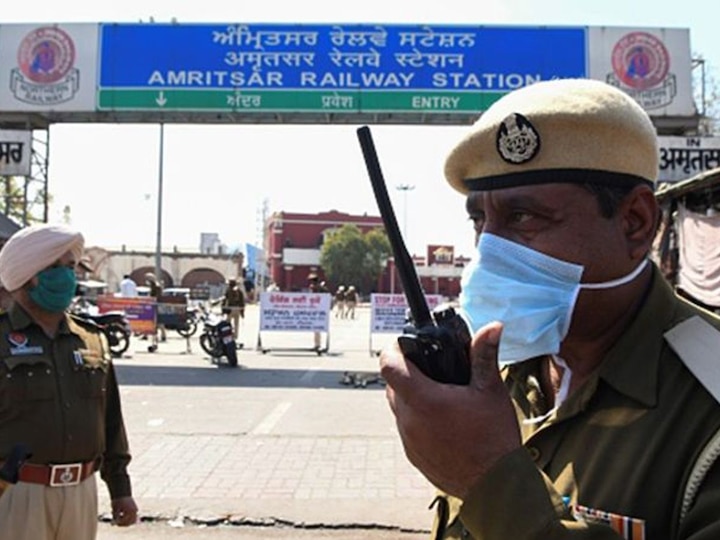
point(697, 343)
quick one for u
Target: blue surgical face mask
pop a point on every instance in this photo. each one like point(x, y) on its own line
point(55, 289)
point(531, 293)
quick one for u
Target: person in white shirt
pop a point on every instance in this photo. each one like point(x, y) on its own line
point(127, 286)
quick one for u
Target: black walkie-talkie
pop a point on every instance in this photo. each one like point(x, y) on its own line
point(438, 343)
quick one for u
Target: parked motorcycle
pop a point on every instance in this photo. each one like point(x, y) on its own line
point(217, 340)
point(114, 325)
point(195, 316)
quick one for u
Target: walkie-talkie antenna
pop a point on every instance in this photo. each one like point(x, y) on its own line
point(438, 343)
point(406, 268)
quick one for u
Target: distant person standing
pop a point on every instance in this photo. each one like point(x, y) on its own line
point(249, 286)
point(351, 300)
point(314, 287)
point(128, 287)
point(340, 302)
point(233, 304)
point(155, 292)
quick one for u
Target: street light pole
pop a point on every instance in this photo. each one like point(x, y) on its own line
point(158, 240)
point(405, 188)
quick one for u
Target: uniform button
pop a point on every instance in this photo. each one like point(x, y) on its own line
point(534, 453)
point(67, 404)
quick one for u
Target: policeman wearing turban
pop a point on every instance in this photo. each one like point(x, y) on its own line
point(58, 395)
point(592, 409)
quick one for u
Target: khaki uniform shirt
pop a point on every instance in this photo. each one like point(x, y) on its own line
point(351, 296)
point(234, 297)
point(60, 397)
point(613, 461)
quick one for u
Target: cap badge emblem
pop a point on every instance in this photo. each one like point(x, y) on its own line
point(517, 140)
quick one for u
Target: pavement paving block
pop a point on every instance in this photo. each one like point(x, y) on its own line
point(282, 437)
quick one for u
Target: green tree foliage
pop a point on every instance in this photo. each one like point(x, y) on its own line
point(349, 257)
point(12, 198)
point(22, 203)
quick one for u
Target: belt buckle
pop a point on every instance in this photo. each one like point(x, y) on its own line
point(66, 474)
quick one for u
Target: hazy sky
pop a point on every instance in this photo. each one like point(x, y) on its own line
point(216, 178)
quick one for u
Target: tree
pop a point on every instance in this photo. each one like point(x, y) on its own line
point(12, 198)
point(21, 200)
point(348, 257)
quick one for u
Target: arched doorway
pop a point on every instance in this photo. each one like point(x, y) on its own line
point(204, 283)
point(138, 276)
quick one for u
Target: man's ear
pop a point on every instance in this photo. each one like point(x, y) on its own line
point(640, 214)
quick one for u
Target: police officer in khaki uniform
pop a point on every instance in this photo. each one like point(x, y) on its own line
point(351, 300)
point(592, 410)
point(58, 396)
point(339, 301)
point(314, 287)
point(233, 304)
point(156, 290)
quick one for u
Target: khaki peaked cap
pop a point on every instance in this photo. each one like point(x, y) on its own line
point(570, 130)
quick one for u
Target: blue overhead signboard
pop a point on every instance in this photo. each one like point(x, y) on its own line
point(320, 67)
point(324, 72)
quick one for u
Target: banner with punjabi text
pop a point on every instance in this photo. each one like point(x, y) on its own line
point(140, 311)
point(294, 312)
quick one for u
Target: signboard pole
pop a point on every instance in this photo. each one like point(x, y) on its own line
point(158, 244)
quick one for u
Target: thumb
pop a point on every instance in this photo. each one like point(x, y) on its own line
point(484, 355)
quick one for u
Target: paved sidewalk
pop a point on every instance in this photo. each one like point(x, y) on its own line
point(276, 444)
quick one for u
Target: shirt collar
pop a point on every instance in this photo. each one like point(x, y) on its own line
point(20, 319)
point(631, 365)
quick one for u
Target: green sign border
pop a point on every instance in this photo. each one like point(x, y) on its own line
point(249, 101)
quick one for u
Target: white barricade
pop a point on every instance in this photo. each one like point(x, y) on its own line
point(295, 312)
point(389, 314)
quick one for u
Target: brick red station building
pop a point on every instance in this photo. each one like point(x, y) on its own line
point(293, 243)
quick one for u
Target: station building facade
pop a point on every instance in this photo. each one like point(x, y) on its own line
point(204, 274)
point(292, 247)
point(293, 244)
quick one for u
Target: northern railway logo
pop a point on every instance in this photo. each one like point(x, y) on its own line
point(45, 73)
point(641, 67)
